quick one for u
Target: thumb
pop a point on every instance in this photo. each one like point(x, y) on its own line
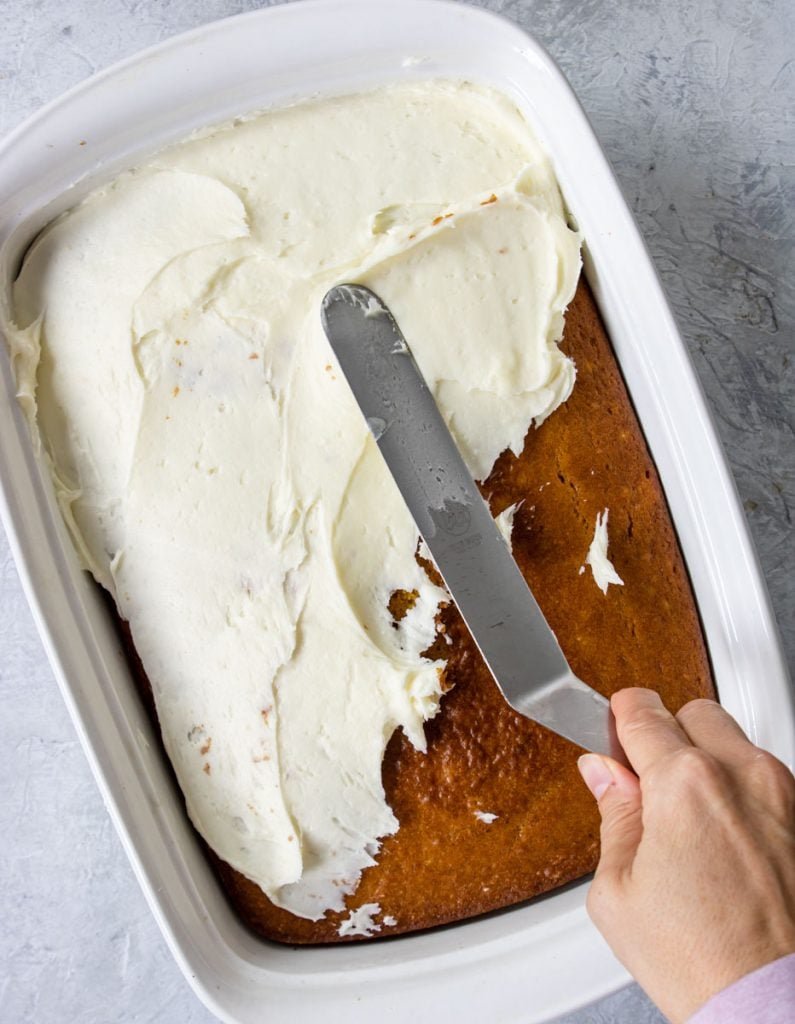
point(617, 792)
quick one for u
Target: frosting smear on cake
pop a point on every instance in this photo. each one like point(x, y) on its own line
point(604, 572)
point(215, 471)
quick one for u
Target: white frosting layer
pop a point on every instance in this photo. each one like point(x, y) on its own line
point(505, 520)
point(215, 471)
point(603, 570)
point(361, 921)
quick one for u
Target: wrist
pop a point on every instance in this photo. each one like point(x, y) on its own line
point(764, 996)
point(746, 959)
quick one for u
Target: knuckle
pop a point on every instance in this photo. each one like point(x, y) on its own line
point(617, 818)
point(773, 778)
point(699, 708)
point(633, 696)
point(636, 723)
point(694, 768)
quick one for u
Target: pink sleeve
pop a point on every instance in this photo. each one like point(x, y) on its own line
point(765, 996)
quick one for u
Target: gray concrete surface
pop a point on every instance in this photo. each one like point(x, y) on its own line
point(693, 103)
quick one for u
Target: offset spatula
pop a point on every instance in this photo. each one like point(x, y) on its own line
point(476, 564)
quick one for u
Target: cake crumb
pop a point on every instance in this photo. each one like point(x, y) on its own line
point(486, 817)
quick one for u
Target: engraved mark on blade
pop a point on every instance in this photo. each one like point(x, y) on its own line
point(453, 517)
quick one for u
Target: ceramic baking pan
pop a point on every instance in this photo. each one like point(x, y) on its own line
point(526, 964)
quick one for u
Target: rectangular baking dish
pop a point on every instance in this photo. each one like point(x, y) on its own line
point(529, 963)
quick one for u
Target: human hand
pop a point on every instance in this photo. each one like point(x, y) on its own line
point(695, 887)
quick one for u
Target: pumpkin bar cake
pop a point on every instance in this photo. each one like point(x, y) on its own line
point(344, 754)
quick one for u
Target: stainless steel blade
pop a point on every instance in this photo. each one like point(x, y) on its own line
point(501, 613)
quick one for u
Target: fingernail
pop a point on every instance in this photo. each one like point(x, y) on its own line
point(595, 774)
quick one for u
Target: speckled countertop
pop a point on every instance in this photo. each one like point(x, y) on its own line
point(693, 103)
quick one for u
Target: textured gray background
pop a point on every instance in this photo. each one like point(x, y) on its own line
point(693, 103)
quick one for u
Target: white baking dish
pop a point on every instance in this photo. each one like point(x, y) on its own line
point(526, 964)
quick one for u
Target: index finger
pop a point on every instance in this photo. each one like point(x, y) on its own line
point(647, 731)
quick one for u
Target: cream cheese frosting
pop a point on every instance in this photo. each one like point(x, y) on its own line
point(504, 522)
point(603, 570)
point(361, 921)
point(216, 474)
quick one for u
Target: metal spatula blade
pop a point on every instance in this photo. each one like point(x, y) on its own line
point(490, 592)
